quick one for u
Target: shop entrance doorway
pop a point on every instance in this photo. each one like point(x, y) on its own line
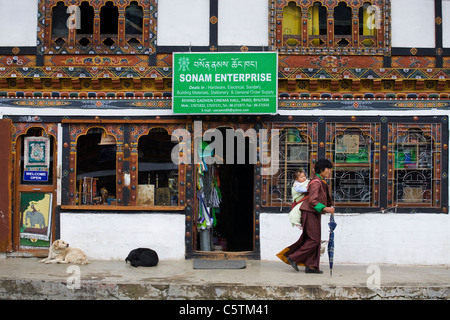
point(234, 230)
point(233, 233)
point(35, 191)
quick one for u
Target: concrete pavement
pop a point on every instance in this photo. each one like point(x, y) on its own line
point(25, 278)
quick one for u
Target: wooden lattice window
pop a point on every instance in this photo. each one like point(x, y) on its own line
point(357, 26)
point(317, 25)
point(109, 24)
point(297, 150)
point(100, 161)
point(292, 24)
point(100, 27)
point(355, 152)
point(415, 165)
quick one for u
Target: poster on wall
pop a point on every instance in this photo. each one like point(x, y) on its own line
point(35, 219)
point(225, 83)
point(37, 159)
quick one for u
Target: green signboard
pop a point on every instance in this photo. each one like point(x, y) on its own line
point(220, 83)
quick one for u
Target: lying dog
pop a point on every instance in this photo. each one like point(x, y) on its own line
point(60, 252)
point(142, 257)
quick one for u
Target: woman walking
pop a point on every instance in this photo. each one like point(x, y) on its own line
point(306, 251)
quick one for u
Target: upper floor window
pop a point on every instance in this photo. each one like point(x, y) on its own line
point(358, 26)
point(298, 150)
point(60, 29)
point(342, 20)
point(416, 157)
point(317, 24)
point(133, 23)
point(105, 27)
point(292, 23)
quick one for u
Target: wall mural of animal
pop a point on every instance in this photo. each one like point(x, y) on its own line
point(35, 218)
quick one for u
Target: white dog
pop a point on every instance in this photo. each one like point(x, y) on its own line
point(60, 252)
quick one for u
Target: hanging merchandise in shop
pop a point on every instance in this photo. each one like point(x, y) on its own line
point(208, 195)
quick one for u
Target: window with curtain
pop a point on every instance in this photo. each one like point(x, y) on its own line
point(86, 32)
point(60, 31)
point(292, 24)
point(338, 26)
point(368, 23)
point(343, 25)
point(97, 27)
point(317, 24)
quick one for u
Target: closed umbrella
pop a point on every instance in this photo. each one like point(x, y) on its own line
point(332, 225)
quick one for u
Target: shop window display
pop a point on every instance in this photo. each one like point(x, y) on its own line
point(298, 150)
point(158, 175)
point(96, 27)
point(96, 168)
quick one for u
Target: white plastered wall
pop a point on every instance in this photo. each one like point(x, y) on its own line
point(446, 23)
point(112, 236)
point(243, 22)
point(413, 23)
point(183, 23)
point(419, 239)
point(18, 23)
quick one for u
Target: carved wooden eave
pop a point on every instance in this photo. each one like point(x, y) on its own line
point(154, 82)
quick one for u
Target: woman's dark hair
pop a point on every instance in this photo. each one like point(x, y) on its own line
point(322, 164)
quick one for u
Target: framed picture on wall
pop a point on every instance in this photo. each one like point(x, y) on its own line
point(36, 158)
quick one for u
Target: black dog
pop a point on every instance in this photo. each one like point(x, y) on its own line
point(143, 257)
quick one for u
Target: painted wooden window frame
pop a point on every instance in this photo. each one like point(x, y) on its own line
point(127, 134)
point(356, 175)
point(96, 46)
point(380, 40)
point(383, 182)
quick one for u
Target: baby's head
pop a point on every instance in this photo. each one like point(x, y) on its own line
point(300, 175)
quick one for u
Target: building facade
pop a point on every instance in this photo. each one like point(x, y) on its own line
point(89, 131)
